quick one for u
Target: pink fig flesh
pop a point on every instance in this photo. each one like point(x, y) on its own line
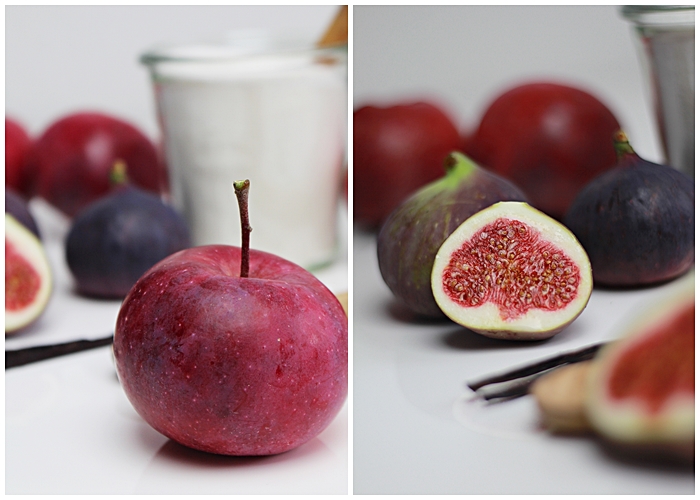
point(545, 277)
point(642, 388)
point(28, 277)
point(511, 271)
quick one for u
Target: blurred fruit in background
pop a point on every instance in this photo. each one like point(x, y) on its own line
point(17, 206)
point(17, 145)
point(74, 156)
point(549, 139)
point(397, 149)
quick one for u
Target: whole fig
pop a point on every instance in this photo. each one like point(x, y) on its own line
point(412, 234)
point(116, 239)
point(636, 221)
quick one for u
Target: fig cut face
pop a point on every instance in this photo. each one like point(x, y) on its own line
point(510, 271)
point(642, 389)
point(27, 276)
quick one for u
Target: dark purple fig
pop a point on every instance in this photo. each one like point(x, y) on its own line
point(16, 206)
point(636, 221)
point(116, 239)
point(415, 230)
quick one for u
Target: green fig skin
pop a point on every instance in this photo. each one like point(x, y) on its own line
point(411, 236)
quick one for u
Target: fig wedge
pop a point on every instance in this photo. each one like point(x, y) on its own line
point(28, 276)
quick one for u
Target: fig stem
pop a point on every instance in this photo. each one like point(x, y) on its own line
point(457, 166)
point(118, 175)
point(241, 188)
point(622, 144)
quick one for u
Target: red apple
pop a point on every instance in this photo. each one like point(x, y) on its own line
point(17, 145)
point(547, 138)
point(75, 155)
point(396, 150)
point(232, 351)
point(467, 140)
point(345, 186)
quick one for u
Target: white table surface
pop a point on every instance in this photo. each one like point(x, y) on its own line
point(69, 428)
point(416, 429)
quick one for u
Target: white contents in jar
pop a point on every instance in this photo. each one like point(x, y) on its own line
point(278, 120)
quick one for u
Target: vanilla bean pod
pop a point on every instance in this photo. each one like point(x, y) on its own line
point(28, 355)
point(540, 366)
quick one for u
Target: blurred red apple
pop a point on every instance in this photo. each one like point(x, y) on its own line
point(232, 351)
point(467, 140)
point(547, 138)
point(345, 186)
point(17, 145)
point(75, 155)
point(396, 150)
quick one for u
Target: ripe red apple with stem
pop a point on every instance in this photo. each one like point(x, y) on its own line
point(231, 350)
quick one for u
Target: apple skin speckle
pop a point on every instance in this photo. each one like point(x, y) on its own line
point(230, 365)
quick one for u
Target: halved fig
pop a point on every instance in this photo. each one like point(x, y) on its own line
point(512, 272)
point(642, 388)
point(28, 278)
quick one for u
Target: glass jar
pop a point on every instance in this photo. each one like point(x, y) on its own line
point(665, 37)
point(269, 109)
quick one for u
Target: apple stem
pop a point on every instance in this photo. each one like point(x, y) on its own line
point(241, 188)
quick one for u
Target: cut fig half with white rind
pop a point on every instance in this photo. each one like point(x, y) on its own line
point(642, 387)
point(512, 272)
point(28, 278)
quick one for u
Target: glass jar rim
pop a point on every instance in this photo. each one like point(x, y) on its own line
point(660, 15)
point(235, 45)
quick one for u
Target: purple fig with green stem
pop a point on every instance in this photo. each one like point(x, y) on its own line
point(411, 236)
point(636, 221)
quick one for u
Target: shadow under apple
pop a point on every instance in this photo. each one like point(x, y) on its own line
point(177, 469)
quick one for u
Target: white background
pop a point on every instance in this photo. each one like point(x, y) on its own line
point(60, 59)
point(465, 56)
